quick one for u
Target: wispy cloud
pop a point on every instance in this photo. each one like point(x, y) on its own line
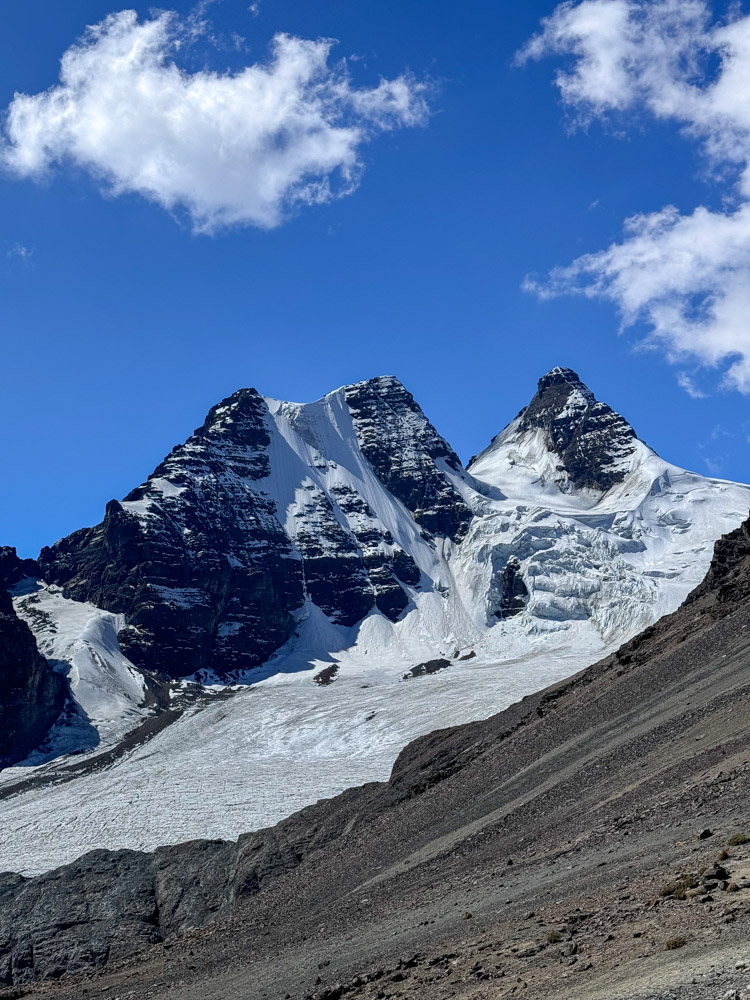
point(714, 467)
point(713, 451)
point(687, 383)
point(17, 251)
point(230, 148)
point(687, 277)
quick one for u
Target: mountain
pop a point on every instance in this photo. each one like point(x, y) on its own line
point(566, 438)
point(268, 505)
point(300, 590)
point(355, 505)
point(591, 840)
point(31, 694)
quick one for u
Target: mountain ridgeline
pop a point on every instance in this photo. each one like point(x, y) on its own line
point(209, 569)
point(353, 504)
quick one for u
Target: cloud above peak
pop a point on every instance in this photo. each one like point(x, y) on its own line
point(687, 277)
point(242, 148)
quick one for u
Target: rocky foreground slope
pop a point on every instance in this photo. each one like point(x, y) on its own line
point(591, 841)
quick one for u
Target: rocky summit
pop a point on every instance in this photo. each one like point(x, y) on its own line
point(207, 565)
point(589, 444)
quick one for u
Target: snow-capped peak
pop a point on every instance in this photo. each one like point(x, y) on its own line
point(342, 540)
point(565, 441)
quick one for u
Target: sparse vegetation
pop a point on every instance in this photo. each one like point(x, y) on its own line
point(675, 942)
point(724, 856)
point(679, 889)
point(554, 937)
point(739, 838)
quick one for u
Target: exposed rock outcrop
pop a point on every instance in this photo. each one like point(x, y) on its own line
point(728, 579)
point(591, 440)
point(514, 592)
point(403, 447)
point(213, 556)
point(31, 693)
point(588, 442)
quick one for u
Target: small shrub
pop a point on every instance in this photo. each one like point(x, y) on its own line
point(724, 856)
point(678, 890)
point(554, 937)
point(675, 942)
point(739, 838)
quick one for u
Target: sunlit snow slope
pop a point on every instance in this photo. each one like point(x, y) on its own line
point(565, 537)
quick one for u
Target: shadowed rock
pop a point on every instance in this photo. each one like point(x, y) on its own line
point(31, 694)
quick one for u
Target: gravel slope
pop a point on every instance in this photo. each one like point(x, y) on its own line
point(526, 854)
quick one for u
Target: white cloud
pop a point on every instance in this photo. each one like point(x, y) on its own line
point(686, 276)
point(19, 252)
point(232, 148)
point(687, 383)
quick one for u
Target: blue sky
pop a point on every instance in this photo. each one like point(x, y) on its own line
point(122, 324)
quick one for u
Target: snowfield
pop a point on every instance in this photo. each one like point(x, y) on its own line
point(241, 764)
point(81, 641)
point(598, 568)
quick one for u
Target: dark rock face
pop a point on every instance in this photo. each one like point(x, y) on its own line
point(205, 569)
point(728, 579)
point(590, 438)
point(402, 447)
point(335, 576)
point(196, 557)
point(384, 562)
point(109, 905)
point(514, 593)
point(13, 569)
point(132, 899)
point(31, 694)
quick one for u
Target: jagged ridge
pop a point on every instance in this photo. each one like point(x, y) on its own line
point(210, 560)
point(589, 442)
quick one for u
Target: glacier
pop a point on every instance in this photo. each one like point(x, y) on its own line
point(604, 535)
